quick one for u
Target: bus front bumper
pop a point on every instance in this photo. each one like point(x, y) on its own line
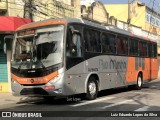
point(38, 90)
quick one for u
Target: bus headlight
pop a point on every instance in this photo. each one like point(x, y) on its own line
point(14, 81)
point(55, 79)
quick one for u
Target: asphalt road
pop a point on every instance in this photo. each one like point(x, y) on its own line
point(113, 100)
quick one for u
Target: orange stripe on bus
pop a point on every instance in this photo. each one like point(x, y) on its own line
point(38, 80)
point(40, 24)
point(149, 72)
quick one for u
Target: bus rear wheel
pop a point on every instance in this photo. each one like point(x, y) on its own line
point(92, 88)
point(139, 84)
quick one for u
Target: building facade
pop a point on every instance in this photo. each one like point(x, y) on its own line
point(38, 10)
point(140, 15)
point(46, 9)
point(8, 25)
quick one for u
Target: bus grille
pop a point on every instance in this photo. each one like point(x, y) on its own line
point(33, 91)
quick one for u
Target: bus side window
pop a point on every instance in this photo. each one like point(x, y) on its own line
point(112, 43)
point(143, 49)
point(149, 49)
point(108, 43)
point(122, 45)
point(105, 45)
point(92, 40)
point(133, 44)
point(87, 38)
point(154, 50)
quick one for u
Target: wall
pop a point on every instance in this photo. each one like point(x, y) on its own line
point(55, 9)
point(3, 67)
point(138, 15)
point(120, 11)
point(15, 8)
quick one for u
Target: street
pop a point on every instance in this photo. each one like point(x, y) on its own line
point(120, 99)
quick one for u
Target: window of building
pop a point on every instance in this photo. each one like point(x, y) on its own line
point(122, 45)
point(92, 40)
point(147, 18)
point(152, 19)
point(157, 23)
point(133, 47)
point(108, 43)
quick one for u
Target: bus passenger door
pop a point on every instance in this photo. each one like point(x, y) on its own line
point(74, 63)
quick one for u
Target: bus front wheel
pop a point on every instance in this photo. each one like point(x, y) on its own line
point(92, 88)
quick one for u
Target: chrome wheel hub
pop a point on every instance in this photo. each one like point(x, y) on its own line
point(139, 82)
point(92, 88)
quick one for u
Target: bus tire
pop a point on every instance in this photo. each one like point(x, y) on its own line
point(139, 83)
point(92, 88)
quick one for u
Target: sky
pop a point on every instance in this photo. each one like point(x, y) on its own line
point(149, 3)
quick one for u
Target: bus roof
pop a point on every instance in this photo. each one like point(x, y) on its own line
point(78, 20)
point(70, 20)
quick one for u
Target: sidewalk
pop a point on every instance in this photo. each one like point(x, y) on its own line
point(8, 98)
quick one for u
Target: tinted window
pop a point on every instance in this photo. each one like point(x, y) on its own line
point(143, 49)
point(92, 40)
point(154, 50)
point(122, 45)
point(133, 47)
point(108, 43)
point(149, 49)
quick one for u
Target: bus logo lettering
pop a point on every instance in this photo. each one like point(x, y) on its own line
point(112, 64)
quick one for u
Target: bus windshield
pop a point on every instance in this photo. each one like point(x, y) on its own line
point(39, 50)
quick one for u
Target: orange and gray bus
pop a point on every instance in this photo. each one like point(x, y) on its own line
point(62, 57)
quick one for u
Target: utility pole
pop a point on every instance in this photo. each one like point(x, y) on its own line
point(27, 9)
point(129, 15)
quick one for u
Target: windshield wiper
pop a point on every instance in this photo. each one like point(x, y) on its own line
point(41, 64)
point(31, 64)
